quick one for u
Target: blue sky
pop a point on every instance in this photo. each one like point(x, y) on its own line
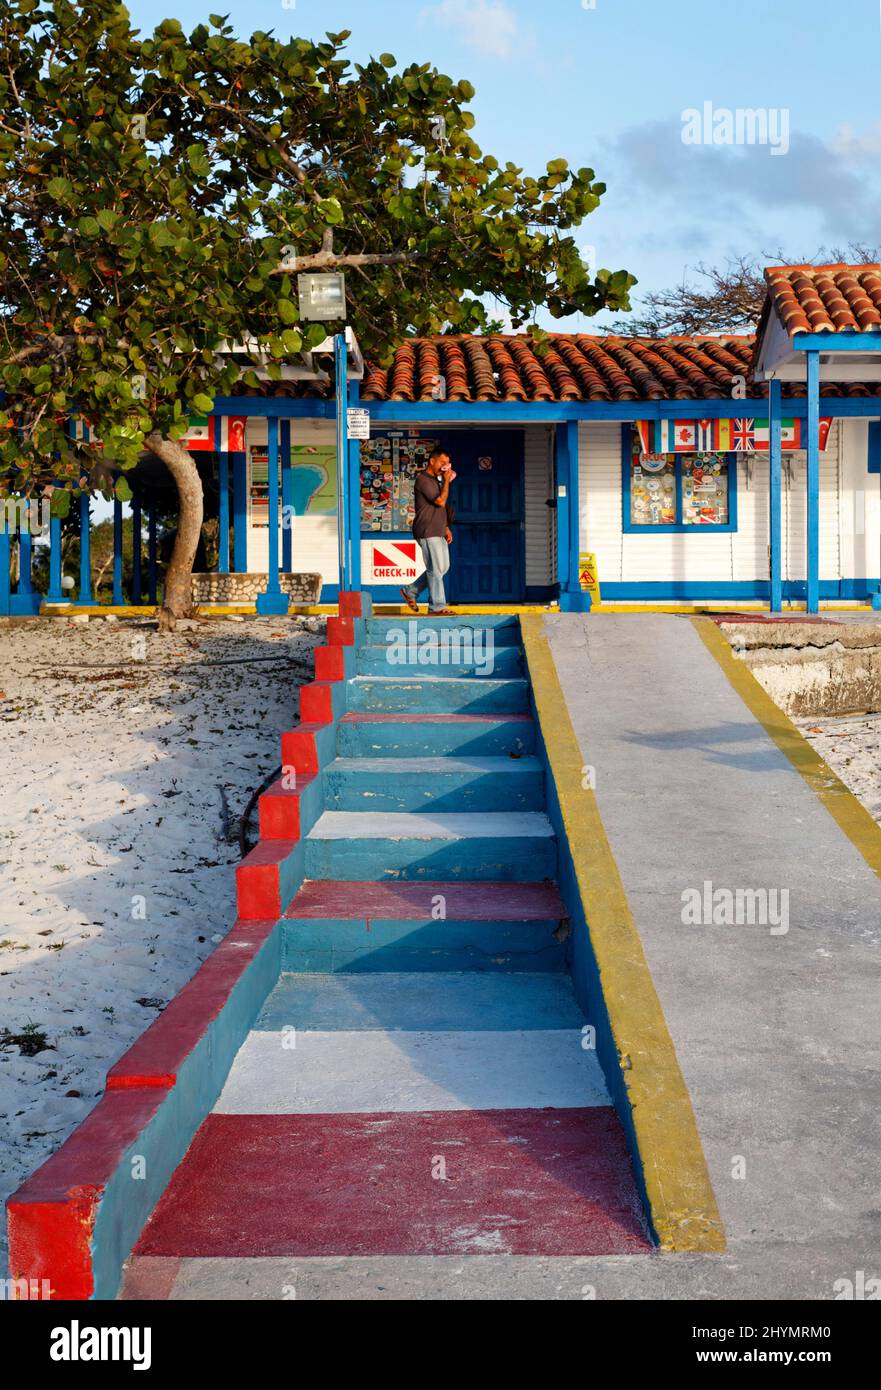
point(606, 86)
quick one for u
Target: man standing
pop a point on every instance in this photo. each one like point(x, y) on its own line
point(431, 528)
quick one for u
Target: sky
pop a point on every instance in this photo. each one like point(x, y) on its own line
point(609, 83)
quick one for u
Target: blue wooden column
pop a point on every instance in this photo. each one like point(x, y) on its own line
point(572, 598)
point(340, 362)
point(813, 482)
point(152, 569)
point(273, 601)
point(775, 529)
point(136, 548)
point(55, 593)
point(287, 498)
point(85, 594)
point(222, 508)
point(354, 496)
point(118, 598)
point(5, 557)
point(25, 555)
point(239, 513)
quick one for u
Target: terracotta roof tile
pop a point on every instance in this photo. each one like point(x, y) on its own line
point(581, 367)
point(826, 298)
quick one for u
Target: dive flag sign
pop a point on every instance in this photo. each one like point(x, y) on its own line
point(393, 561)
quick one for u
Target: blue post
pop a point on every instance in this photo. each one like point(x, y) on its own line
point(579, 600)
point(118, 599)
point(56, 594)
point(85, 593)
point(25, 551)
point(273, 602)
point(813, 404)
point(136, 548)
point(340, 362)
point(223, 511)
point(774, 496)
point(562, 509)
point(287, 498)
point(239, 513)
point(152, 548)
point(354, 486)
point(5, 586)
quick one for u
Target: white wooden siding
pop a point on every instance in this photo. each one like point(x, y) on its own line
point(538, 517)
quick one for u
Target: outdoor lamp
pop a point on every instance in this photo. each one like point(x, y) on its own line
point(66, 581)
point(322, 295)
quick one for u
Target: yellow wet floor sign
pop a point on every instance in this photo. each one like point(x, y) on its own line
point(588, 575)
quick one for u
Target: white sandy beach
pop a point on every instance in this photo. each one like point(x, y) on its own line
point(122, 791)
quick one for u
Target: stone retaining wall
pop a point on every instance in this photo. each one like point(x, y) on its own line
point(813, 669)
point(244, 588)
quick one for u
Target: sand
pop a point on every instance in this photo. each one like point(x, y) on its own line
point(851, 745)
point(122, 792)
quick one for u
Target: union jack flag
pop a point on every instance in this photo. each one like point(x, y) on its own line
point(743, 434)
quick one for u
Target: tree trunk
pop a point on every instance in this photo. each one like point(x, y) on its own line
point(177, 599)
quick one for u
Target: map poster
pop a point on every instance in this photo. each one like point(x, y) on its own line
point(313, 481)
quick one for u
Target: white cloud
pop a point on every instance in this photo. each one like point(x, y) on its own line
point(487, 25)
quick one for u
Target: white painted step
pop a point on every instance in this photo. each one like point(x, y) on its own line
point(374, 1072)
point(424, 825)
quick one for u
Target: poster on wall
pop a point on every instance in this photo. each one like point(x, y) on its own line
point(389, 464)
point(313, 481)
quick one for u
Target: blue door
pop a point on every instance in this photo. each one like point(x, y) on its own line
point(486, 558)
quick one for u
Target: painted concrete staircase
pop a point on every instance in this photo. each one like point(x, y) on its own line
point(420, 1081)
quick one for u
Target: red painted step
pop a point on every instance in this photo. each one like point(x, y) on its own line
point(519, 1182)
point(404, 902)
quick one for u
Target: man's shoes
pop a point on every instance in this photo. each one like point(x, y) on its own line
point(410, 601)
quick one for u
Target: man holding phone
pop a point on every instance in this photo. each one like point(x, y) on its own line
point(431, 528)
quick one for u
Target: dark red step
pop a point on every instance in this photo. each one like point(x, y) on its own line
point(405, 902)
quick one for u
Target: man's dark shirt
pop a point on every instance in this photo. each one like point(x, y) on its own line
point(429, 520)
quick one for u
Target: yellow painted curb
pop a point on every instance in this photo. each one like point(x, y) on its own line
point(840, 802)
point(680, 1196)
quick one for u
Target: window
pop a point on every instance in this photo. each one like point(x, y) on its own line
point(679, 492)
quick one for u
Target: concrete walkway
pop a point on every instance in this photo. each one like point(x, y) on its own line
point(777, 1034)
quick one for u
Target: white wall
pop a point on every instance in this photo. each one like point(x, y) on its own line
point(850, 517)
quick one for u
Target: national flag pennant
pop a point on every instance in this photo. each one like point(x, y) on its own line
point(684, 436)
point(644, 434)
point(743, 435)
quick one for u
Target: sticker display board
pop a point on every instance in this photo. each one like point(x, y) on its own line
point(389, 464)
point(313, 481)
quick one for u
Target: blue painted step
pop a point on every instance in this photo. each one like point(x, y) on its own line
point(513, 847)
point(505, 628)
point(383, 660)
point(438, 695)
point(437, 735)
point(432, 925)
point(434, 784)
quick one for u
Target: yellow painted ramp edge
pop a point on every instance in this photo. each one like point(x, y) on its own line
point(682, 1206)
point(844, 808)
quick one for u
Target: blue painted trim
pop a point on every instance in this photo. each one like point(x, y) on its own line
point(85, 595)
point(223, 508)
point(137, 544)
point(25, 560)
point(663, 591)
point(873, 451)
point(240, 513)
point(813, 451)
point(287, 497)
point(273, 602)
point(679, 527)
point(868, 341)
point(152, 550)
point(573, 585)
point(118, 599)
point(775, 508)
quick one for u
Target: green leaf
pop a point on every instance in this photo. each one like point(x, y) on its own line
point(388, 60)
point(204, 404)
point(60, 505)
point(107, 219)
point(287, 311)
point(123, 491)
point(60, 189)
point(89, 226)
